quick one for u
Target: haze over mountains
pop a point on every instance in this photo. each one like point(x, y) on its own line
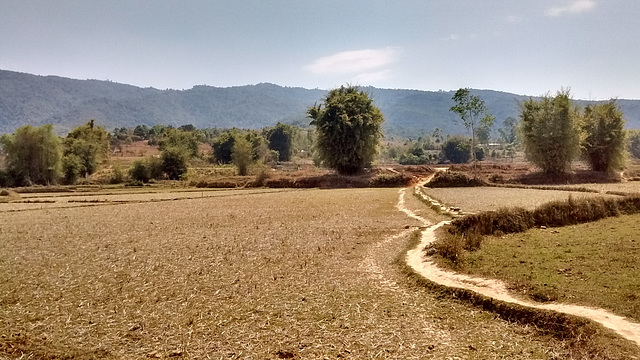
point(67, 103)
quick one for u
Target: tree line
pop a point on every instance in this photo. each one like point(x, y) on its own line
point(36, 155)
point(346, 137)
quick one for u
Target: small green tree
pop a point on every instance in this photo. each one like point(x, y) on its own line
point(141, 131)
point(146, 169)
point(187, 140)
point(604, 142)
point(634, 143)
point(347, 129)
point(33, 155)
point(242, 155)
point(551, 136)
point(259, 145)
point(174, 162)
point(85, 147)
point(222, 147)
point(470, 107)
point(508, 131)
point(139, 171)
point(457, 149)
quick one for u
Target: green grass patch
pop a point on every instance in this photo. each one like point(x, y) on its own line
point(594, 264)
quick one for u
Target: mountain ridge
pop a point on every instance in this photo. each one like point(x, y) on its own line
point(67, 103)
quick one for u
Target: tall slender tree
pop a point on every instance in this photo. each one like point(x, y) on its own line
point(473, 112)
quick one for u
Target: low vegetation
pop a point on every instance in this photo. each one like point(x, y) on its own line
point(467, 232)
point(568, 264)
point(553, 214)
point(448, 179)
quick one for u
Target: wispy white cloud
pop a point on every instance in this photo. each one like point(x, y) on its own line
point(575, 7)
point(356, 62)
point(371, 77)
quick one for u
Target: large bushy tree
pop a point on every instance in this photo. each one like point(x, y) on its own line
point(348, 129)
point(551, 135)
point(603, 145)
point(32, 155)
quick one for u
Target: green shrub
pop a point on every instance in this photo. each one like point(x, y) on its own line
point(173, 162)
point(139, 171)
point(390, 180)
point(457, 149)
point(117, 177)
point(412, 159)
point(72, 168)
point(5, 179)
point(146, 169)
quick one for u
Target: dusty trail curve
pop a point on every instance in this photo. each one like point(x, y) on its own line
point(497, 290)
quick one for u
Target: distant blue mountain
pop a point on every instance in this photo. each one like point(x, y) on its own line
point(67, 103)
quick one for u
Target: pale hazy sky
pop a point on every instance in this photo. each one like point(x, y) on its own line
point(527, 47)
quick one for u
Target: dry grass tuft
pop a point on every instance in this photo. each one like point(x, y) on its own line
point(445, 179)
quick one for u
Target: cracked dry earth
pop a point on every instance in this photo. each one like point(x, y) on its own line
point(498, 290)
point(309, 274)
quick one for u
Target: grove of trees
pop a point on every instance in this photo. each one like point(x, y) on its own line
point(555, 132)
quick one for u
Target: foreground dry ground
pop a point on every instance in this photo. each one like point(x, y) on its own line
point(300, 274)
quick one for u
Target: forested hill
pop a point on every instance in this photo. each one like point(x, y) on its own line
point(67, 103)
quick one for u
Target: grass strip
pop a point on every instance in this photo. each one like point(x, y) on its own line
point(582, 338)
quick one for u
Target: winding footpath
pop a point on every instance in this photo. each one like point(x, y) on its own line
point(496, 289)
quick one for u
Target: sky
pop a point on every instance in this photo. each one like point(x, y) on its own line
point(527, 47)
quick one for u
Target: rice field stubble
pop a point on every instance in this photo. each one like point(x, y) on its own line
point(271, 275)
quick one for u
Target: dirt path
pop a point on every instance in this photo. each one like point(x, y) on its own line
point(498, 290)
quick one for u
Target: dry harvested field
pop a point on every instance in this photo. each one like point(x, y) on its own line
point(38, 201)
point(308, 274)
point(476, 199)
